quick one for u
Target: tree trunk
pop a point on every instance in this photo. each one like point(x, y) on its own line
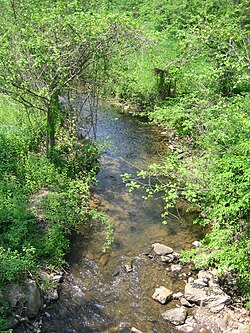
point(52, 117)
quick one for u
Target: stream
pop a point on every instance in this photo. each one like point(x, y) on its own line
point(99, 295)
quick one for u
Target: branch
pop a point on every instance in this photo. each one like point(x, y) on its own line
point(30, 92)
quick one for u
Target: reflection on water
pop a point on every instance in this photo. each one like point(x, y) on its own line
point(99, 293)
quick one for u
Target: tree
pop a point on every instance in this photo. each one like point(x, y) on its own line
point(52, 48)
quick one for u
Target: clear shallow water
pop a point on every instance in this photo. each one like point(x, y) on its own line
point(94, 297)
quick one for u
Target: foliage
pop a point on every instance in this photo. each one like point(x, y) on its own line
point(73, 156)
point(13, 263)
point(64, 50)
point(107, 224)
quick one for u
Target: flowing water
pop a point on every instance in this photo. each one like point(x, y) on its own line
point(99, 295)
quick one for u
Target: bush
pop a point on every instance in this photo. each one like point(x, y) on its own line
point(42, 199)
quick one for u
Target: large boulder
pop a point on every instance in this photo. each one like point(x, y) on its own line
point(201, 293)
point(161, 250)
point(25, 299)
point(176, 316)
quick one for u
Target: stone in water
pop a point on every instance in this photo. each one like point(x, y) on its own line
point(162, 295)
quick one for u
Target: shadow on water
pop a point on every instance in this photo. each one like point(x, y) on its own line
point(83, 317)
point(99, 294)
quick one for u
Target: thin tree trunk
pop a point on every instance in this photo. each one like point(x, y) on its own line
point(52, 116)
point(50, 132)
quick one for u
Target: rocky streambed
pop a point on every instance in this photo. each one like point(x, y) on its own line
point(182, 299)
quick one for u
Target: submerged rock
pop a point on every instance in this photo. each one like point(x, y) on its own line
point(103, 260)
point(128, 265)
point(162, 295)
point(113, 329)
point(135, 330)
point(176, 316)
point(161, 250)
point(128, 268)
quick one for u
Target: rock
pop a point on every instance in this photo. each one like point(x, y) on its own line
point(219, 303)
point(184, 302)
point(176, 316)
point(169, 258)
point(204, 330)
point(14, 294)
point(162, 295)
point(47, 315)
point(57, 278)
point(128, 268)
point(207, 320)
point(225, 321)
point(178, 295)
point(199, 293)
point(203, 320)
point(34, 299)
point(176, 255)
point(52, 294)
point(175, 268)
point(204, 275)
point(124, 328)
point(113, 329)
point(201, 282)
point(135, 330)
point(190, 320)
point(197, 244)
point(103, 260)
point(182, 276)
point(185, 328)
point(190, 326)
point(217, 308)
point(161, 250)
point(25, 299)
point(45, 277)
